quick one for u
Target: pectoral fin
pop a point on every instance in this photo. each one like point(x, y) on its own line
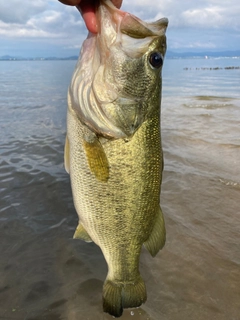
point(97, 159)
point(157, 238)
point(67, 155)
point(81, 233)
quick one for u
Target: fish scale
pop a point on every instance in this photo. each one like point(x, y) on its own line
point(116, 182)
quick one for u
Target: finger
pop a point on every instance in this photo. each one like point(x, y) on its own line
point(88, 11)
point(117, 3)
point(70, 2)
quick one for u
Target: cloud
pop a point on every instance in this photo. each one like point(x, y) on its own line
point(203, 17)
point(188, 13)
point(193, 45)
point(18, 11)
point(210, 17)
point(17, 31)
point(44, 22)
point(192, 24)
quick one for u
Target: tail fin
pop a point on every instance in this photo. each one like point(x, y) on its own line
point(119, 295)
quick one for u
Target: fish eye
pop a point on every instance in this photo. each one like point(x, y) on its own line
point(156, 60)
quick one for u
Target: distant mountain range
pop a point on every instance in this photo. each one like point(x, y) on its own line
point(17, 58)
point(170, 55)
point(205, 54)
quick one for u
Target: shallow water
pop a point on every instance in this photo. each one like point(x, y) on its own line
point(45, 274)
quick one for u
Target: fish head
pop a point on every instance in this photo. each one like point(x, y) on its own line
point(119, 78)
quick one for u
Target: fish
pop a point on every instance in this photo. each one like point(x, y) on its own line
point(113, 149)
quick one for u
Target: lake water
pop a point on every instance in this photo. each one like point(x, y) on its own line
point(45, 274)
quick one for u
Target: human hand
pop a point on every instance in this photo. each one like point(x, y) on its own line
point(87, 9)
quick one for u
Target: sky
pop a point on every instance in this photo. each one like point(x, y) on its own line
point(46, 28)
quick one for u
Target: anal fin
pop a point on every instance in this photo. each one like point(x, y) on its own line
point(157, 238)
point(81, 233)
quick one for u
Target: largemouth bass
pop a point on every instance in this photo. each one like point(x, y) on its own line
point(113, 148)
